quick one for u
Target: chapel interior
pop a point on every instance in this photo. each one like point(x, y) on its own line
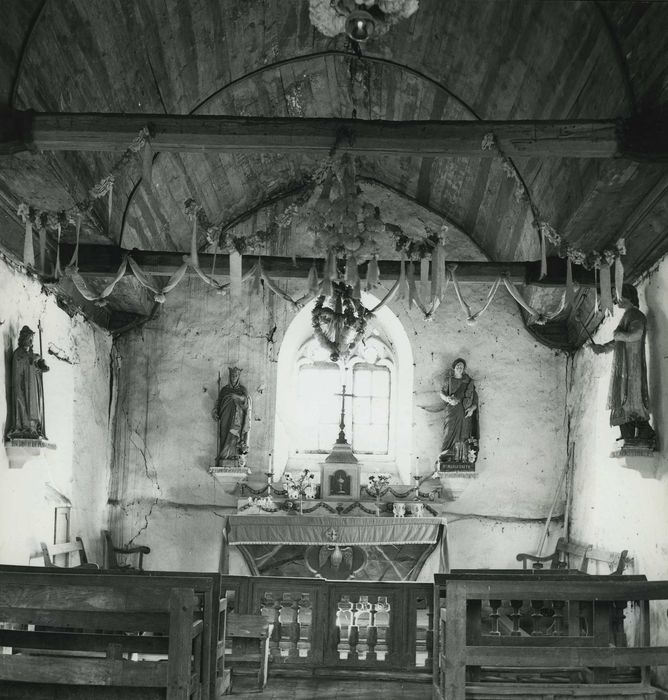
point(316, 314)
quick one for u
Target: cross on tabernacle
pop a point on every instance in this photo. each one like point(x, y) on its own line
point(342, 423)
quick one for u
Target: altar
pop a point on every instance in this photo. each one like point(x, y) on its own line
point(338, 547)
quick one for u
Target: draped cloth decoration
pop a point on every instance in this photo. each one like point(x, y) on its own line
point(147, 162)
point(535, 317)
point(471, 318)
point(606, 289)
point(149, 283)
point(193, 259)
point(72, 272)
point(438, 276)
point(74, 262)
point(402, 290)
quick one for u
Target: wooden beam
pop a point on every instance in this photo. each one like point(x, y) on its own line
point(103, 261)
point(199, 134)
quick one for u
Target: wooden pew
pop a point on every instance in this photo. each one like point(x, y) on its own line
point(209, 588)
point(80, 630)
point(470, 648)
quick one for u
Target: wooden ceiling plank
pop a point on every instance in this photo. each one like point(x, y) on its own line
point(114, 132)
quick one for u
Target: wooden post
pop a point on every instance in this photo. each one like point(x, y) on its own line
point(181, 615)
point(455, 641)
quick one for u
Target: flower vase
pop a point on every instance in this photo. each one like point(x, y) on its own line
point(377, 505)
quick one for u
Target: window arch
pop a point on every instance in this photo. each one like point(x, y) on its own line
point(378, 417)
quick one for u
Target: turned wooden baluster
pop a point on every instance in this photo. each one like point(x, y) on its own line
point(287, 617)
point(558, 617)
point(304, 620)
point(494, 617)
point(536, 617)
point(344, 621)
point(362, 621)
point(382, 623)
point(515, 616)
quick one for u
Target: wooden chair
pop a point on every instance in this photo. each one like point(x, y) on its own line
point(573, 555)
point(111, 550)
point(240, 630)
point(49, 551)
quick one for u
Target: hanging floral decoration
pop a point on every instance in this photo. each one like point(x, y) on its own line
point(43, 220)
point(329, 16)
point(339, 321)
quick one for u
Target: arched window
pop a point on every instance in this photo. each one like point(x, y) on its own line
point(378, 415)
point(367, 378)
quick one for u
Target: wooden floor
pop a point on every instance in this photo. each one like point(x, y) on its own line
point(329, 689)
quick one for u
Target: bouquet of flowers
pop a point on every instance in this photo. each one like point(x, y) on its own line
point(379, 484)
point(300, 486)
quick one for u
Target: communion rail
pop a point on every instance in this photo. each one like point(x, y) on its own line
point(379, 628)
point(545, 637)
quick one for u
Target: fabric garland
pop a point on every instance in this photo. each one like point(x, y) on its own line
point(543, 253)
point(438, 273)
point(73, 273)
point(535, 317)
point(74, 262)
point(471, 318)
point(402, 290)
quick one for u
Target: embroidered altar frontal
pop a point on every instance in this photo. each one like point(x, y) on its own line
point(337, 547)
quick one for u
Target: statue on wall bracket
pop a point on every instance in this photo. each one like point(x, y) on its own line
point(26, 415)
point(459, 449)
point(233, 413)
point(628, 396)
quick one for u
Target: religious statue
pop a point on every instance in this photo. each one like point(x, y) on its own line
point(233, 413)
point(628, 396)
point(460, 423)
point(27, 407)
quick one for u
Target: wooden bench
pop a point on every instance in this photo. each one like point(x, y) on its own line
point(50, 551)
point(79, 632)
point(211, 605)
point(573, 555)
point(250, 627)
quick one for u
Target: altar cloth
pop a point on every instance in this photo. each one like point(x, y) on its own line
point(300, 530)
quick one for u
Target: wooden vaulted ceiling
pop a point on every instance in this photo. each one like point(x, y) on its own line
point(453, 60)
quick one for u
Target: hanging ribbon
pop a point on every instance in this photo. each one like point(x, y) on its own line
point(256, 287)
point(147, 163)
point(58, 273)
point(570, 290)
point(74, 262)
point(42, 248)
point(236, 263)
point(312, 279)
point(28, 250)
point(193, 259)
point(606, 289)
point(372, 274)
point(402, 291)
point(411, 284)
point(437, 273)
point(596, 306)
point(352, 274)
point(110, 200)
point(543, 253)
point(619, 272)
point(424, 271)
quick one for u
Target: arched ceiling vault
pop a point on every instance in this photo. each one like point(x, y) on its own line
point(454, 59)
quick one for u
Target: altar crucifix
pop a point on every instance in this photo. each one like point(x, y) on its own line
point(341, 481)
